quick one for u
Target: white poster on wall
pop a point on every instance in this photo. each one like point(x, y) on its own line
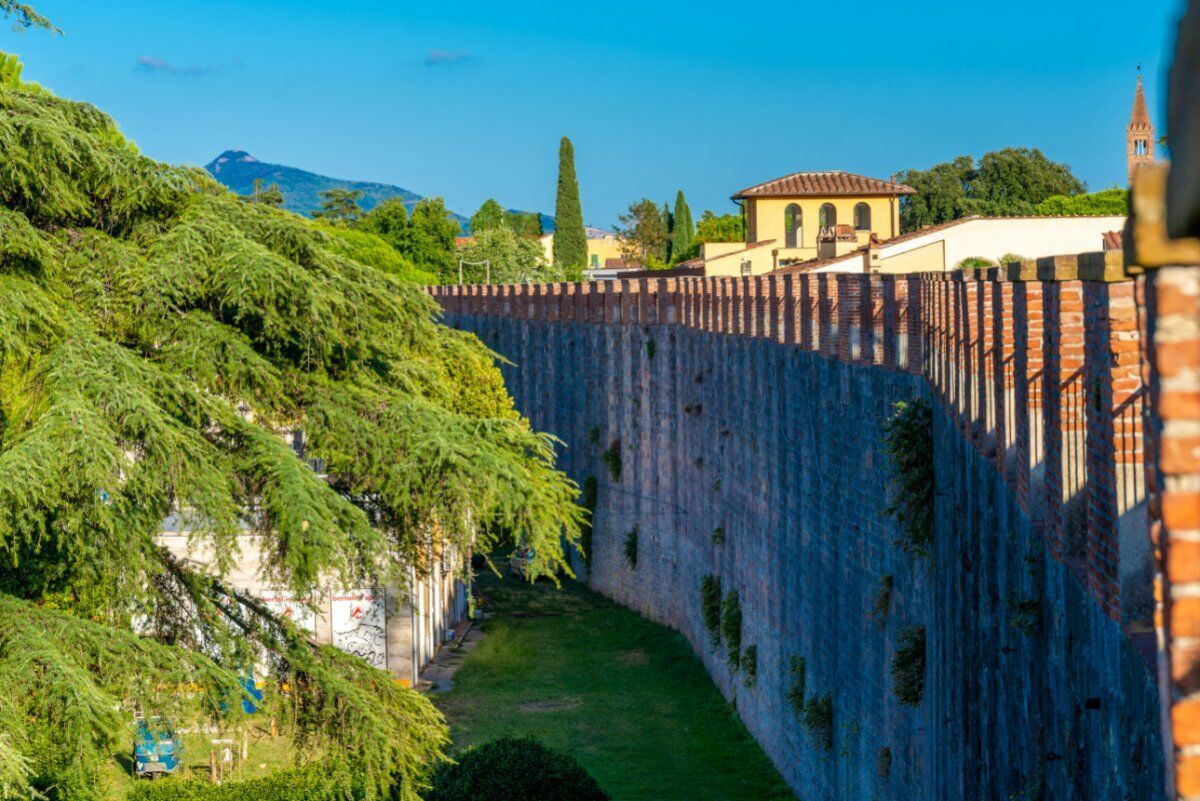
point(358, 625)
point(291, 607)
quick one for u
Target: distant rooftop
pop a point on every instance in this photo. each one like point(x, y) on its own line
point(828, 183)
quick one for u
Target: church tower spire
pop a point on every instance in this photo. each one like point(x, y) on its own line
point(1139, 136)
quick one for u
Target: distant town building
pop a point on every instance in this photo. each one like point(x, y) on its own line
point(602, 246)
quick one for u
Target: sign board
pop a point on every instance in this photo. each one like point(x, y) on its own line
point(291, 607)
point(359, 625)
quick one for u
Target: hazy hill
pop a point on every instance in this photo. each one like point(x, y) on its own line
point(301, 189)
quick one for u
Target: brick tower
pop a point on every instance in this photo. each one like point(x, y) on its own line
point(1139, 136)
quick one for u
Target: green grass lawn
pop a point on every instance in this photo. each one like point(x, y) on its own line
point(625, 696)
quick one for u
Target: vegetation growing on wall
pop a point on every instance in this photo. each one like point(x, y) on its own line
point(718, 535)
point(588, 499)
point(883, 600)
point(1024, 614)
point(631, 547)
point(818, 721)
point(908, 440)
point(731, 628)
point(710, 606)
point(750, 665)
point(798, 675)
point(612, 460)
point(908, 666)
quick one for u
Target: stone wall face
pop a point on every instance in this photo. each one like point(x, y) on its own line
point(746, 415)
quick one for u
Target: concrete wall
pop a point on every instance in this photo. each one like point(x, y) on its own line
point(747, 414)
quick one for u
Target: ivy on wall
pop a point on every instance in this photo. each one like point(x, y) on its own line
point(631, 547)
point(908, 666)
point(908, 441)
point(731, 628)
point(818, 721)
point(750, 665)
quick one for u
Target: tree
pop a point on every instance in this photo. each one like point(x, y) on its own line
point(1006, 182)
point(24, 16)
point(667, 226)
point(340, 205)
point(526, 224)
point(388, 221)
point(1106, 202)
point(429, 239)
point(683, 231)
point(570, 238)
point(511, 259)
point(641, 234)
point(490, 215)
point(270, 195)
point(722, 228)
point(157, 335)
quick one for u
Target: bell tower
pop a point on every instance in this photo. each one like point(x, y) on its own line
point(1139, 136)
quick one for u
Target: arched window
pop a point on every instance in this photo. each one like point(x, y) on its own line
point(862, 217)
point(793, 225)
point(828, 216)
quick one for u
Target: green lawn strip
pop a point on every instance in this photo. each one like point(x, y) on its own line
point(625, 696)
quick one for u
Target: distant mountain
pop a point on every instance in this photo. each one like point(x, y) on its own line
point(301, 189)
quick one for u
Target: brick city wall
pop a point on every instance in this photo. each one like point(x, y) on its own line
point(747, 414)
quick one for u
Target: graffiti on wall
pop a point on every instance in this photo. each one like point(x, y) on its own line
point(358, 625)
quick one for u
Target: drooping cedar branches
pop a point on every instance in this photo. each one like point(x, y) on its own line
point(156, 335)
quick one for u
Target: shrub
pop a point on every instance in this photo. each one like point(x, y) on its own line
point(818, 720)
point(908, 440)
point(795, 691)
point(710, 604)
point(731, 628)
point(908, 666)
point(314, 782)
point(750, 665)
point(631, 547)
point(511, 768)
point(612, 460)
point(1009, 258)
point(972, 262)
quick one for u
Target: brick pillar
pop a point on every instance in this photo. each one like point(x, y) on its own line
point(1027, 376)
point(787, 309)
point(806, 310)
point(774, 303)
point(1063, 409)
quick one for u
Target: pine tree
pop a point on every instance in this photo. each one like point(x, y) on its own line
point(683, 231)
point(570, 238)
point(668, 224)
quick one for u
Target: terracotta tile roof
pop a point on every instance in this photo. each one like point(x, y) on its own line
point(829, 183)
point(1113, 240)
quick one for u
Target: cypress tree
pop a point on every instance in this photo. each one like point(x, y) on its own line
point(667, 226)
point(570, 239)
point(683, 232)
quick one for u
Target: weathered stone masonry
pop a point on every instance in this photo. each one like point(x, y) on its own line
point(747, 415)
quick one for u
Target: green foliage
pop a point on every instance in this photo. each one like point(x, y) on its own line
point(731, 628)
point(908, 440)
point(570, 238)
point(429, 239)
point(511, 768)
point(1010, 258)
point(594, 435)
point(1112, 201)
point(883, 600)
point(642, 235)
point(975, 262)
point(631, 547)
point(650, 348)
point(365, 247)
point(612, 460)
point(1006, 182)
point(512, 259)
point(157, 334)
point(319, 781)
point(338, 205)
point(490, 216)
point(710, 606)
point(1024, 614)
point(798, 676)
point(388, 221)
point(718, 535)
point(720, 228)
point(261, 193)
point(908, 666)
point(818, 721)
point(683, 231)
point(23, 16)
point(750, 665)
point(588, 500)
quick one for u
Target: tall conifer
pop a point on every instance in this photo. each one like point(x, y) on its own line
point(683, 231)
point(570, 238)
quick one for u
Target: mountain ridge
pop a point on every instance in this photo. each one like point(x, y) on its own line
point(301, 189)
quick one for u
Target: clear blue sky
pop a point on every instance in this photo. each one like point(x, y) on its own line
point(468, 100)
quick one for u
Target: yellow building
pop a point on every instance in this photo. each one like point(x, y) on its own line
point(805, 216)
point(602, 246)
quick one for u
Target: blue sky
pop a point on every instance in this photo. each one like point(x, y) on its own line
point(468, 100)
